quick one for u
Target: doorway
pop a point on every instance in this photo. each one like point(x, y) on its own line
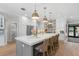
point(12, 32)
point(73, 33)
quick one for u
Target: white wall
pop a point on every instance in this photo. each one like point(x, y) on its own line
point(61, 24)
point(73, 21)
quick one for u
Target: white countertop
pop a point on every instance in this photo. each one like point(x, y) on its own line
point(32, 40)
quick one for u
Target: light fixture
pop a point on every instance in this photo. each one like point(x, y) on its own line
point(45, 20)
point(23, 9)
point(35, 15)
point(50, 21)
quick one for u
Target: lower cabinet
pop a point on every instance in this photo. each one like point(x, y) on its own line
point(18, 48)
point(23, 49)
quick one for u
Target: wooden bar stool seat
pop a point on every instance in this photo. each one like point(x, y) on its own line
point(44, 48)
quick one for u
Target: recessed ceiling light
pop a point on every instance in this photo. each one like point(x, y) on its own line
point(23, 9)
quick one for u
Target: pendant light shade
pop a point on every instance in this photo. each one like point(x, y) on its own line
point(50, 22)
point(35, 15)
point(45, 19)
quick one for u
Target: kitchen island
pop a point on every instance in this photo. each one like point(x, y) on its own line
point(25, 44)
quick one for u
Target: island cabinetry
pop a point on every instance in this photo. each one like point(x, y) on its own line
point(25, 45)
point(23, 49)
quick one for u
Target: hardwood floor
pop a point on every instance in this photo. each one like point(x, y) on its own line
point(8, 50)
point(60, 51)
point(71, 49)
point(66, 49)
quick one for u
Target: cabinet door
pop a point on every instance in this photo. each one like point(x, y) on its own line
point(23, 49)
point(27, 50)
point(18, 48)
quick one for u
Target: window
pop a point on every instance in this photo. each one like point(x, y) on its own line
point(73, 30)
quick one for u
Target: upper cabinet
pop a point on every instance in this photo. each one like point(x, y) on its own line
point(1, 22)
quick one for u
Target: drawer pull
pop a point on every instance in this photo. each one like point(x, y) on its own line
point(22, 45)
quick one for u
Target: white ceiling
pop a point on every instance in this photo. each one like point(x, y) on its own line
point(69, 10)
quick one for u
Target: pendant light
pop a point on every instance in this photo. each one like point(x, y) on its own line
point(35, 15)
point(45, 20)
point(50, 20)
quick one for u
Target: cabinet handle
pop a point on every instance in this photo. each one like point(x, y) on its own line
point(22, 45)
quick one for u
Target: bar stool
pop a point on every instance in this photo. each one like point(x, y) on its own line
point(57, 41)
point(44, 48)
point(54, 42)
point(51, 40)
